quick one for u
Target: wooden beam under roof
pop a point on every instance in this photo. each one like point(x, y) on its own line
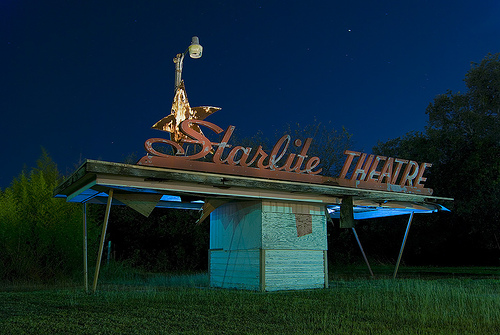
point(139, 179)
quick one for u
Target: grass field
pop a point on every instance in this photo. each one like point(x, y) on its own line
point(458, 301)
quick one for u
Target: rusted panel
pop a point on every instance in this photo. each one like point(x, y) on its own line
point(304, 224)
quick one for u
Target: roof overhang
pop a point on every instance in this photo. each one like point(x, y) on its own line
point(91, 182)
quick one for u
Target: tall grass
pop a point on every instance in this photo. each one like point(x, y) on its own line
point(433, 304)
point(120, 275)
point(408, 306)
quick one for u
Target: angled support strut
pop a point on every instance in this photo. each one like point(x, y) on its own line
point(103, 236)
point(403, 246)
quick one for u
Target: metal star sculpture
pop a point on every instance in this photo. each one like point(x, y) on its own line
point(181, 110)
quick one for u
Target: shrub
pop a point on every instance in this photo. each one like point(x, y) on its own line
point(39, 235)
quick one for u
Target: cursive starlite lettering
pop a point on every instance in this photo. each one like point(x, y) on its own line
point(279, 159)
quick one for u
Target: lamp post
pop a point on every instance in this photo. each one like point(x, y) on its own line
point(195, 50)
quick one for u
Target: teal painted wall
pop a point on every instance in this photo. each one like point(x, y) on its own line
point(238, 232)
point(235, 269)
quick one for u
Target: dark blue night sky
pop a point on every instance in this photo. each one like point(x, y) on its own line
point(87, 79)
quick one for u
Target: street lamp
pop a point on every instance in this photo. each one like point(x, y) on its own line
point(195, 50)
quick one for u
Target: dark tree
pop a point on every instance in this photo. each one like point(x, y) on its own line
point(462, 140)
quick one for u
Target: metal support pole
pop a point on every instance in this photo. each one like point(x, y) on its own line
point(362, 251)
point(403, 246)
point(103, 236)
point(85, 266)
point(178, 60)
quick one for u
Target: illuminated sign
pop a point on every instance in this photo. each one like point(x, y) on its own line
point(384, 173)
point(279, 163)
point(288, 159)
point(359, 171)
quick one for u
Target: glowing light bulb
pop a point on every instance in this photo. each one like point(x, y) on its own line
point(195, 49)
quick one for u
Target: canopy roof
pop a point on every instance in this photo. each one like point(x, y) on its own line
point(174, 188)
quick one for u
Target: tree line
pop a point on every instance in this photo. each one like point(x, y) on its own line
point(462, 140)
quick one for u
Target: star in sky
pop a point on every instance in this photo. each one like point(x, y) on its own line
point(181, 110)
